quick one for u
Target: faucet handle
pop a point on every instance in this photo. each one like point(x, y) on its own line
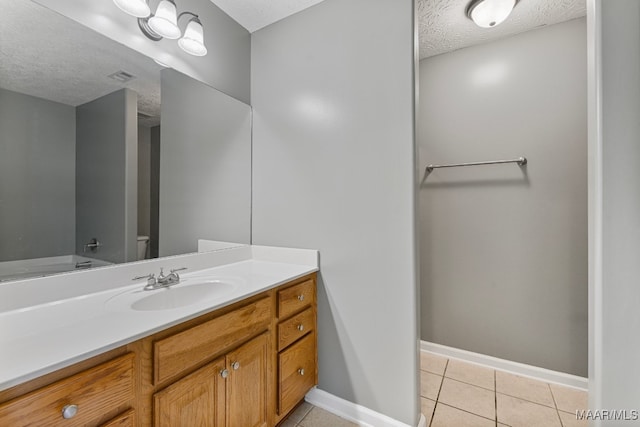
point(151, 278)
point(173, 271)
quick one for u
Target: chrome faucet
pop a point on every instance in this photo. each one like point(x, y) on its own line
point(161, 281)
point(170, 279)
point(152, 283)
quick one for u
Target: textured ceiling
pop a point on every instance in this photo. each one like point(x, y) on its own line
point(255, 14)
point(444, 26)
point(46, 55)
point(63, 61)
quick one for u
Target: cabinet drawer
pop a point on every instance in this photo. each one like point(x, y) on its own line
point(296, 297)
point(187, 349)
point(297, 372)
point(290, 330)
point(123, 420)
point(96, 392)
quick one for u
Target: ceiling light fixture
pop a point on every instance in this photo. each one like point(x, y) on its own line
point(489, 13)
point(164, 24)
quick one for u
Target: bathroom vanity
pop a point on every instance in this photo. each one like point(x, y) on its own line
point(246, 360)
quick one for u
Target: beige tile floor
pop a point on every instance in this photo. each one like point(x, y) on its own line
point(458, 394)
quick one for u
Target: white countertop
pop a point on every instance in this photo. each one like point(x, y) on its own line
point(55, 333)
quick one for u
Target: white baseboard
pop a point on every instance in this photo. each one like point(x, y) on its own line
point(353, 412)
point(521, 369)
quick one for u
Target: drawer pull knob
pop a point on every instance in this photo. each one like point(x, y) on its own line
point(300, 297)
point(224, 373)
point(69, 411)
point(235, 366)
point(301, 371)
point(300, 327)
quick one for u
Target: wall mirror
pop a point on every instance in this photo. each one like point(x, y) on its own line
point(105, 155)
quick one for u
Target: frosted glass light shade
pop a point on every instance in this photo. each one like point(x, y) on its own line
point(137, 8)
point(193, 40)
point(165, 21)
point(489, 13)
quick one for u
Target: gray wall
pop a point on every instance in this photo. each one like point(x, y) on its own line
point(154, 222)
point(144, 180)
point(37, 177)
point(227, 65)
point(106, 175)
point(503, 248)
point(205, 166)
point(333, 169)
point(618, 318)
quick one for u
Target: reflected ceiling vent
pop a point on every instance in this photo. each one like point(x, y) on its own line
point(121, 76)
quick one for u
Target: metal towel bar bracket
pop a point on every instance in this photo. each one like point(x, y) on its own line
point(521, 161)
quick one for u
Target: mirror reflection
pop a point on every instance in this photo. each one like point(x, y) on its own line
point(94, 168)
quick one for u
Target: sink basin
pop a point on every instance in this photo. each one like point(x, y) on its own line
point(188, 292)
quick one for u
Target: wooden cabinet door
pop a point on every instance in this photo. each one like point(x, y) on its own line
point(247, 384)
point(123, 420)
point(196, 400)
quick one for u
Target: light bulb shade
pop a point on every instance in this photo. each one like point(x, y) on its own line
point(137, 8)
point(193, 40)
point(489, 13)
point(165, 21)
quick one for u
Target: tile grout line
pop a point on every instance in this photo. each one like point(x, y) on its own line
point(445, 375)
point(556, 405)
point(530, 401)
point(476, 385)
point(495, 390)
point(455, 407)
point(446, 365)
point(471, 384)
point(299, 423)
point(433, 415)
point(553, 397)
point(495, 395)
point(468, 412)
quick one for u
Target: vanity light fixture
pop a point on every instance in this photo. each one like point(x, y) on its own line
point(193, 39)
point(164, 24)
point(489, 13)
point(137, 8)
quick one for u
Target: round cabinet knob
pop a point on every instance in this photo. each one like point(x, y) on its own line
point(300, 297)
point(300, 327)
point(69, 411)
point(224, 373)
point(235, 366)
point(301, 371)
